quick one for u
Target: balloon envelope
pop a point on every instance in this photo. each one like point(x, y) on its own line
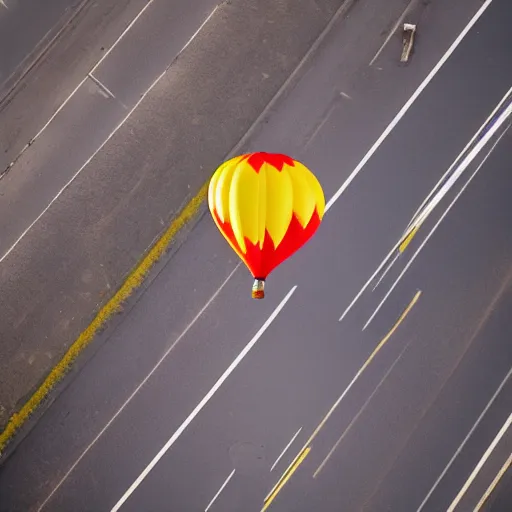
point(267, 206)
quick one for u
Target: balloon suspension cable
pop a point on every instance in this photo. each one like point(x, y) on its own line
point(258, 289)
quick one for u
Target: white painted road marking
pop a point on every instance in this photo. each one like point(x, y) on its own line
point(104, 56)
point(393, 253)
point(481, 463)
point(461, 447)
point(419, 216)
point(88, 161)
point(456, 161)
point(285, 449)
point(432, 231)
point(459, 170)
point(220, 490)
point(203, 402)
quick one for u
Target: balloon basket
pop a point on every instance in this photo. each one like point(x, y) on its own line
point(258, 289)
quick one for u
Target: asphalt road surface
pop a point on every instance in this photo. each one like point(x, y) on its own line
point(100, 102)
point(202, 399)
point(24, 25)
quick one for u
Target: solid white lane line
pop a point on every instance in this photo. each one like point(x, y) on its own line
point(397, 245)
point(104, 56)
point(285, 449)
point(455, 162)
point(123, 33)
point(427, 238)
point(55, 114)
point(465, 440)
point(494, 483)
point(198, 30)
point(481, 463)
point(361, 410)
point(220, 490)
point(203, 402)
point(88, 161)
point(463, 165)
point(414, 219)
point(390, 255)
point(388, 268)
point(409, 103)
point(138, 388)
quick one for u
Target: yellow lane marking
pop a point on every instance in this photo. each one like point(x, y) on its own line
point(407, 240)
point(307, 446)
point(361, 411)
point(366, 364)
point(494, 483)
point(134, 280)
point(286, 476)
point(399, 321)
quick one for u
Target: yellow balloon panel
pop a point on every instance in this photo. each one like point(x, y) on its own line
point(303, 202)
point(279, 198)
point(246, 195)
point(308, 194)
point(220, 184)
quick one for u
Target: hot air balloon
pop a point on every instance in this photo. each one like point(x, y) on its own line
point(267, 206)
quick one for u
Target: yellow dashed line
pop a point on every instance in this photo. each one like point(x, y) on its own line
point(286, 476)
point(134, 280)
point(407, 240)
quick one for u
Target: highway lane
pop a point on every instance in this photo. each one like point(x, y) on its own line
point(101, 100)
point(456, 358)
point(159, 484)
point(302, 378)
point(294, 357)
point(34, 93)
